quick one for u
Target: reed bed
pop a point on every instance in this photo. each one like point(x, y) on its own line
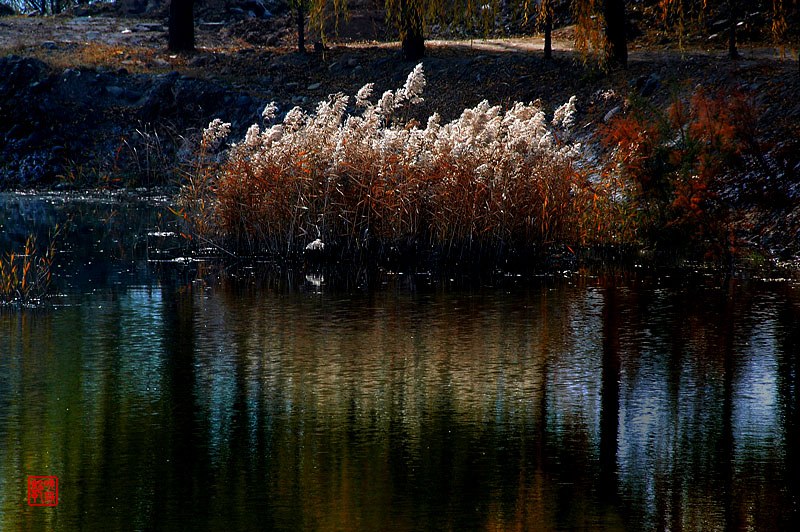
point(25, 277)
point(367, 178)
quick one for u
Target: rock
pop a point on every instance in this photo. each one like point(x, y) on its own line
point(159, 101)
point(31, 141)
point(380, 63)
point(13, 132)
point(150, 26)
point(314, 86)
point(609, 115)
point(17, 72)
point(50, 45)
point(198, 61)
point(650, 85)
point(42, 85)
point(132, 95)
point(57, 152)
point(116, 92)
point(316, 245)
point(211, 26)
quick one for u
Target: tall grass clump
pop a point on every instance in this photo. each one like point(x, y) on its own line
point(374, 180)
point(25, 276)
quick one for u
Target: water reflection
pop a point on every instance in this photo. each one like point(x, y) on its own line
point(559, 403)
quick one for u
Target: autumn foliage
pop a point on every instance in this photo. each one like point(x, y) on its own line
point(682, 163)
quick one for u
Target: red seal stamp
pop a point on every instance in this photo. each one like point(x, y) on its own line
point(43, 491)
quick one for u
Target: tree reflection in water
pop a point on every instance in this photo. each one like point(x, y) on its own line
point(577, 403)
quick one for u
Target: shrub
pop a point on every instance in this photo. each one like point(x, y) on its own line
point(370, 179)
point(682, 163)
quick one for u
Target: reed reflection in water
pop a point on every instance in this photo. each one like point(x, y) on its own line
point(557, 404)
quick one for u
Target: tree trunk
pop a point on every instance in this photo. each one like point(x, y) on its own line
point(411, 31)
point(181, 25)
point(548, 32)
point(732, 53)
point(301, 29)
point(614, 13)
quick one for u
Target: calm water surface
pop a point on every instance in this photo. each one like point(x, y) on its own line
point(560, 402)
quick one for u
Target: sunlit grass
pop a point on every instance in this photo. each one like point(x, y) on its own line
point(375, 180)
point(135, 59)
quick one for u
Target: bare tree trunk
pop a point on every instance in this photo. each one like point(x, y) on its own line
point(548, 31)
point(181, 25)
point(411, 30)
point(301, 30)
point(614, 13)
point(732, 53)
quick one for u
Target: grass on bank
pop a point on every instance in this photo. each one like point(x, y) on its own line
point(366, 179)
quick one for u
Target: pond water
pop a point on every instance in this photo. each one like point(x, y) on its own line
point(164, 401)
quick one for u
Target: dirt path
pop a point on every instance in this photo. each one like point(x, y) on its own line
point(20, 32)
point(23, 32)
point(30, 31)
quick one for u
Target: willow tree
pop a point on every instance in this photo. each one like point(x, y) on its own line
point(786, 25)
point(600, 29)
point(542, 14)
point(546, 17)
point(785, 17)
point(299, 9)
point(600, 24)
point(410, 17)
point(675, 13)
